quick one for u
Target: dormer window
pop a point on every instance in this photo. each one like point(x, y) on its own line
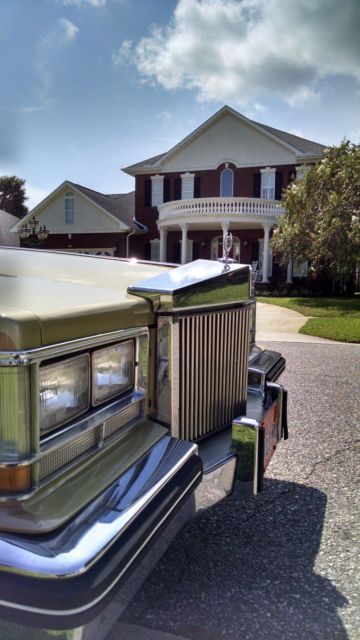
point(227, 183)
point(69, 208)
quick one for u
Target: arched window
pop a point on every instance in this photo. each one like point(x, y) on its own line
point(69, 208)
point(227, 183)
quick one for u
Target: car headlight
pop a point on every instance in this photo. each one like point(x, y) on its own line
point(64, 391)
point(112, 371)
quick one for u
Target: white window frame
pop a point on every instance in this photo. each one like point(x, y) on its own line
point(300, 269)
point(157, 190)
point(155, 250)
point(69, 212)
point(267, 191)
point(227, 169)
point(187, 186)
point(301, 171)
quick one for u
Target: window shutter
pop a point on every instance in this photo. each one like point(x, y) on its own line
point(197, 187)
point(166, 189)
point(147, 193)
point(278, 185)
point(177, 188)
point(256, 185)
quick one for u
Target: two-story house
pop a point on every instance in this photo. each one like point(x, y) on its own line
point(227, 175)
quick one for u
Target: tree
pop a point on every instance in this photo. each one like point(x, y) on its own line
point(321, 223)
point(13, 196)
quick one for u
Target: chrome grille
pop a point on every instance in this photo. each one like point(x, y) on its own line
point(213, 362)
point(89, 441)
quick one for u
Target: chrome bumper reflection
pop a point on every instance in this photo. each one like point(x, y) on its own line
point(256, 435)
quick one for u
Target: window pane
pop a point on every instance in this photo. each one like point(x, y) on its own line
point(226, 183)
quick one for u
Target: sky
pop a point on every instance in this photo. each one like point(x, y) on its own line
point(90, 86)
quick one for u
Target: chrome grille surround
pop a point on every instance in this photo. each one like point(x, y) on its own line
point(202, 380)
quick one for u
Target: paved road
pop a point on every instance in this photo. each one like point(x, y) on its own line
point(286, 564)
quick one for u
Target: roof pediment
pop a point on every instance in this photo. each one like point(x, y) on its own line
point(235, 138)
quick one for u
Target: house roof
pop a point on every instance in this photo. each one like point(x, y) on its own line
point(8, 239)
point(301, 146)
point(120, 205)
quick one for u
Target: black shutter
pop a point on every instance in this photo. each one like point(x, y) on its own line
point(166, 189)
point(147, 193)
point(256, 185)
point(278, 185)
point(177, 189)
point(197, 190)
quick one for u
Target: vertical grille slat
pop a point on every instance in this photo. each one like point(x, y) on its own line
point(213, 363)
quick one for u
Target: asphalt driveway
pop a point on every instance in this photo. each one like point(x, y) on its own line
point(286, 564)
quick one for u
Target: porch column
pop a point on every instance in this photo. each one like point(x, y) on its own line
point(163, 238)
point(183, 242)
point(265, 263)
point(289, 272)
point(225, 227)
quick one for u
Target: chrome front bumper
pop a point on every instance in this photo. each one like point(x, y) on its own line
point(64, 578)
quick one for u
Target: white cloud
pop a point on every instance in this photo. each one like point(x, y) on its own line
point(70, 29)
point(78, 3)
point(241, 50)
point(48, 48)
point(124, 54)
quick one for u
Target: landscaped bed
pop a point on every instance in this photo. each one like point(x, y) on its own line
point(332, 318)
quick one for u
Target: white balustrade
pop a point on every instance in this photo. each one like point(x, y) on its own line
point(220, 207)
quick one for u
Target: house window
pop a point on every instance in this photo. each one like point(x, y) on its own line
point(227, 183)
point(187, 186)
point(300, 269)
point(268, 183)
point(157, 190)
point(69, 208)
point(155, 250)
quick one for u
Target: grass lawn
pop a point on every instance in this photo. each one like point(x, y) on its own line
point(332, 318)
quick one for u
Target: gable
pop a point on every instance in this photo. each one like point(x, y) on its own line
point(89, 217)
point(232, 139)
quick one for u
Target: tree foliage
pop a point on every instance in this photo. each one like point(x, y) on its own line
point(13, 196)
point(322, 215)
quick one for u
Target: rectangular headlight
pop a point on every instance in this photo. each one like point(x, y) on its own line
point(64, 391)
point(112, 371)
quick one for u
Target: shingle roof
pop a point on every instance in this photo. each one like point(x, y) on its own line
point(120, 205)
point(8, 239)
point(302, 145)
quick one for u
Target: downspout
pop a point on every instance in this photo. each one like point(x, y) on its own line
point(132, 233)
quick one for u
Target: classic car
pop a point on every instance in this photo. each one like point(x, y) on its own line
point(128, 391)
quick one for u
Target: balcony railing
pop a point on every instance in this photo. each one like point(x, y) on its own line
point(221, 207)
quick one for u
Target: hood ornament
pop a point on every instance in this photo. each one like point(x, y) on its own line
point(227, 246)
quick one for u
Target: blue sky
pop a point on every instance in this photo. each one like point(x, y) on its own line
point(90, 86)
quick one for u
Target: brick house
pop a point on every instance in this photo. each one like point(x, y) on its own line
point(82, 220)
point(227, 175)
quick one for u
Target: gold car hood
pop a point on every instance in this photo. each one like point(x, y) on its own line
point(50, 297)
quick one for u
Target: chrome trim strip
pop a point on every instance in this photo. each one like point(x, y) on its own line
point(17, 358)
point(91, 604)
point(99, 536)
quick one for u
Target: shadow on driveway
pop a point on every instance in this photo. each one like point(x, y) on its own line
point(244, 570)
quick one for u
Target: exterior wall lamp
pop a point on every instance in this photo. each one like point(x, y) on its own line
point(32, 233)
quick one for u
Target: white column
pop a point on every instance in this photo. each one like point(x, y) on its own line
point(183, 242)
point(163, 238)
point(289, 272)
point(225, 227)
point(265, 261)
